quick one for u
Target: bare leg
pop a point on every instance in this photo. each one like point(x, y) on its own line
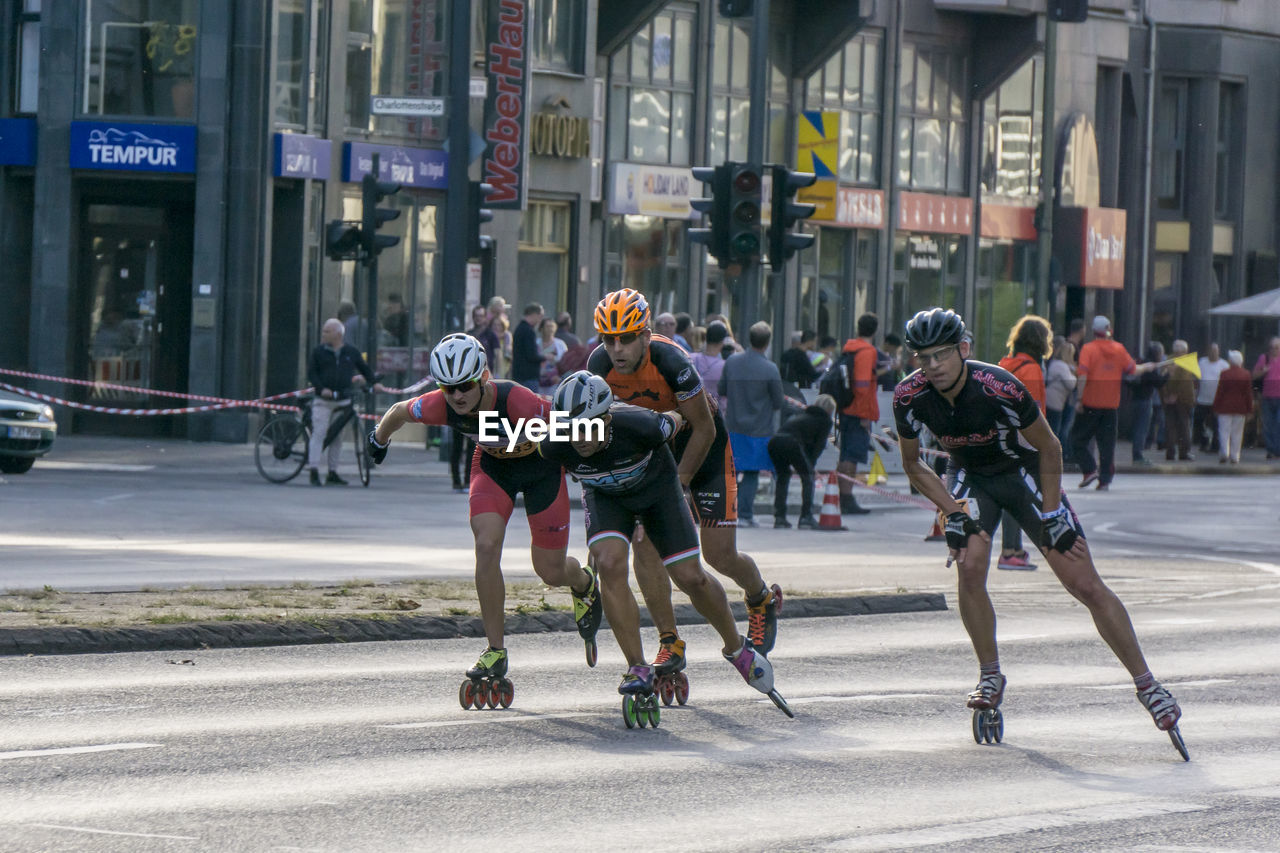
point(655, 587)
point(720, 548)
point(708, 598)
point(976, 612)
point(555, 568)
point(1080, 578)
point(610, 555)
point(490, 530)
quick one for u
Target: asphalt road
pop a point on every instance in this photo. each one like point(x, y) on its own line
point(124, 514)
point(364, 747)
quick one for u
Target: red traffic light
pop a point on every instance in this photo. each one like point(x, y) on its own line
point(746, 181)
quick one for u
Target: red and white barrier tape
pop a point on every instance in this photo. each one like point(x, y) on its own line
point(909, 500)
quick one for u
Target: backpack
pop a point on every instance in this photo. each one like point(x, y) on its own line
point(836, 381)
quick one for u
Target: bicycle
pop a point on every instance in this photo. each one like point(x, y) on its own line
point(281, 450)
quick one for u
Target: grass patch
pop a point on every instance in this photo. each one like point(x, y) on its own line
point(457, 611)
point(174, 618)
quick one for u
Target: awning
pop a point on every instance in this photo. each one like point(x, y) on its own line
point(1265, 304)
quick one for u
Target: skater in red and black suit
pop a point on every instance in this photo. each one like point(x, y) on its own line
point(500, 469)
point(1004, 457)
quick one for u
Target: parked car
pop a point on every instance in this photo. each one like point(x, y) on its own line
point(27, 430)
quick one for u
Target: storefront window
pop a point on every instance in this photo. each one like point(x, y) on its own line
point(28, 83)
point(1170, 143)
point(651, 91)
point(542, 267)
point(850, 83)
point(928, 273)
point(1011, 136)
point(1005, 291)
point(395, 48)
point(556, 33)
point(931, 131)
point(140, 58)
point(731, 97)
point(291, 62)
point(647, 253)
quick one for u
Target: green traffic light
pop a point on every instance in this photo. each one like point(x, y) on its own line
point(746, 244)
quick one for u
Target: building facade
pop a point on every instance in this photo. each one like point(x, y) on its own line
point(168, 168)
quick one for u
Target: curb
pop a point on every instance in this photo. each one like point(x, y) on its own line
point(67, 640)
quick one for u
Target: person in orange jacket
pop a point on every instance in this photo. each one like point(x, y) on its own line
point(859, 357)
point(1029, 345)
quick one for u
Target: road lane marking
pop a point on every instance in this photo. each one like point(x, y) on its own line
point(477, 721)
point(996, 826)
point(75, 750)
point(63, 712)
point(1204, 682)
point(114, 832)
point(862, 697)
point(115, 467)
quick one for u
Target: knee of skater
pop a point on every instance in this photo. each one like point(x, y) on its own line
point(688, 576)
point(721, 559)
point(488, 552)
point(612, 571)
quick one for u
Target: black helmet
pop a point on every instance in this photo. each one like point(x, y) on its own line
point(933, 327)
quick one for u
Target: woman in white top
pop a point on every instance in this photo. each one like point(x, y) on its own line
point(552, 349)
point(1059, 384)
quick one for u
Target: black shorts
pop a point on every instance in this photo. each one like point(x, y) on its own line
point(660, 506)
point(715, 484)
point(1016, 491)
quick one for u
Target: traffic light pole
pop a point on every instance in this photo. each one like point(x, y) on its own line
point(752, 279)
point(371, 301)
point(1048, 151)
point(453, 285)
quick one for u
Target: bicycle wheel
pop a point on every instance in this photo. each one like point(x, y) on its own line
point(281, 450)
point(363, 462)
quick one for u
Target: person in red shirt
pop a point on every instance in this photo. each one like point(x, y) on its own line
point(466, 401)
point(1029, 345)
point(1104, 362)
point(1232, 403)
point(856, 419)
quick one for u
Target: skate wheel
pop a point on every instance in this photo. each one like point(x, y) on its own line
point(654, 714)
point(781, 703)
point(592, 652)
point(1179, 744)
point(977, 727)
point(629, 711)
point(484, 694)
point(997, 725)
point(682, 688)
point(503, 692)
point(466, 695)
point(667, 689)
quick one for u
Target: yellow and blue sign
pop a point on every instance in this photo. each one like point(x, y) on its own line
point(818, 135)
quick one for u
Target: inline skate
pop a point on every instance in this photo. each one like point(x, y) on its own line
point(988, 721)
point(639, 702)
point(587, 610)
point(670, 682)
point(487, 684)
point(756, 670)
point(762, 620)
point(1164, 710)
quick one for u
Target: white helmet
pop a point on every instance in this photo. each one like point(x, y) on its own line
point(458, 358)
point(582, 394)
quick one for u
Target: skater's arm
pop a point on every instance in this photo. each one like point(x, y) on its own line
point(697, 411)
point(427, 409)
point(925, 480)
point(1040, 436)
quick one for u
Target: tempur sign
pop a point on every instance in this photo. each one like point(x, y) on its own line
point(133, 147)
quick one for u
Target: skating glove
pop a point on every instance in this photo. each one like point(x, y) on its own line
point(959, 527)
point(377, 452)
point(1058, 530)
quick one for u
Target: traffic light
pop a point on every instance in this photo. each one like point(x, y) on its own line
point(784, 213)
point(744, 213)
point(1069, 11)
point(735, 8)
point(374, 191)
point(342, 240)
point(716, 238)
point(477, 194)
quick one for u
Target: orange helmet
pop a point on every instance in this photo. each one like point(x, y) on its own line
point(622, 311)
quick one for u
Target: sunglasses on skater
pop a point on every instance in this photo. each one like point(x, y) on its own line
point(937, 356)
point(624, 338)
point(461, 387)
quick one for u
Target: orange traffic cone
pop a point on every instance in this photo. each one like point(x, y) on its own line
point(829, 519)
point(935, 534)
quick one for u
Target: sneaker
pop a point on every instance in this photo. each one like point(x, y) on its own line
point(1222, 460)
point(1103, 487)
point(781, 523)
point(1161, 705)
point(762, 620)
point(587, 607)
point(807, 522)
point(315, 478)
point(1190, 457)
point(670, 657)
point(748, 522)
point(849, 506)
point(1016, 563)
point(1089, 479)
point(1142, 462)
point(334, 480)
point(754, 667)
